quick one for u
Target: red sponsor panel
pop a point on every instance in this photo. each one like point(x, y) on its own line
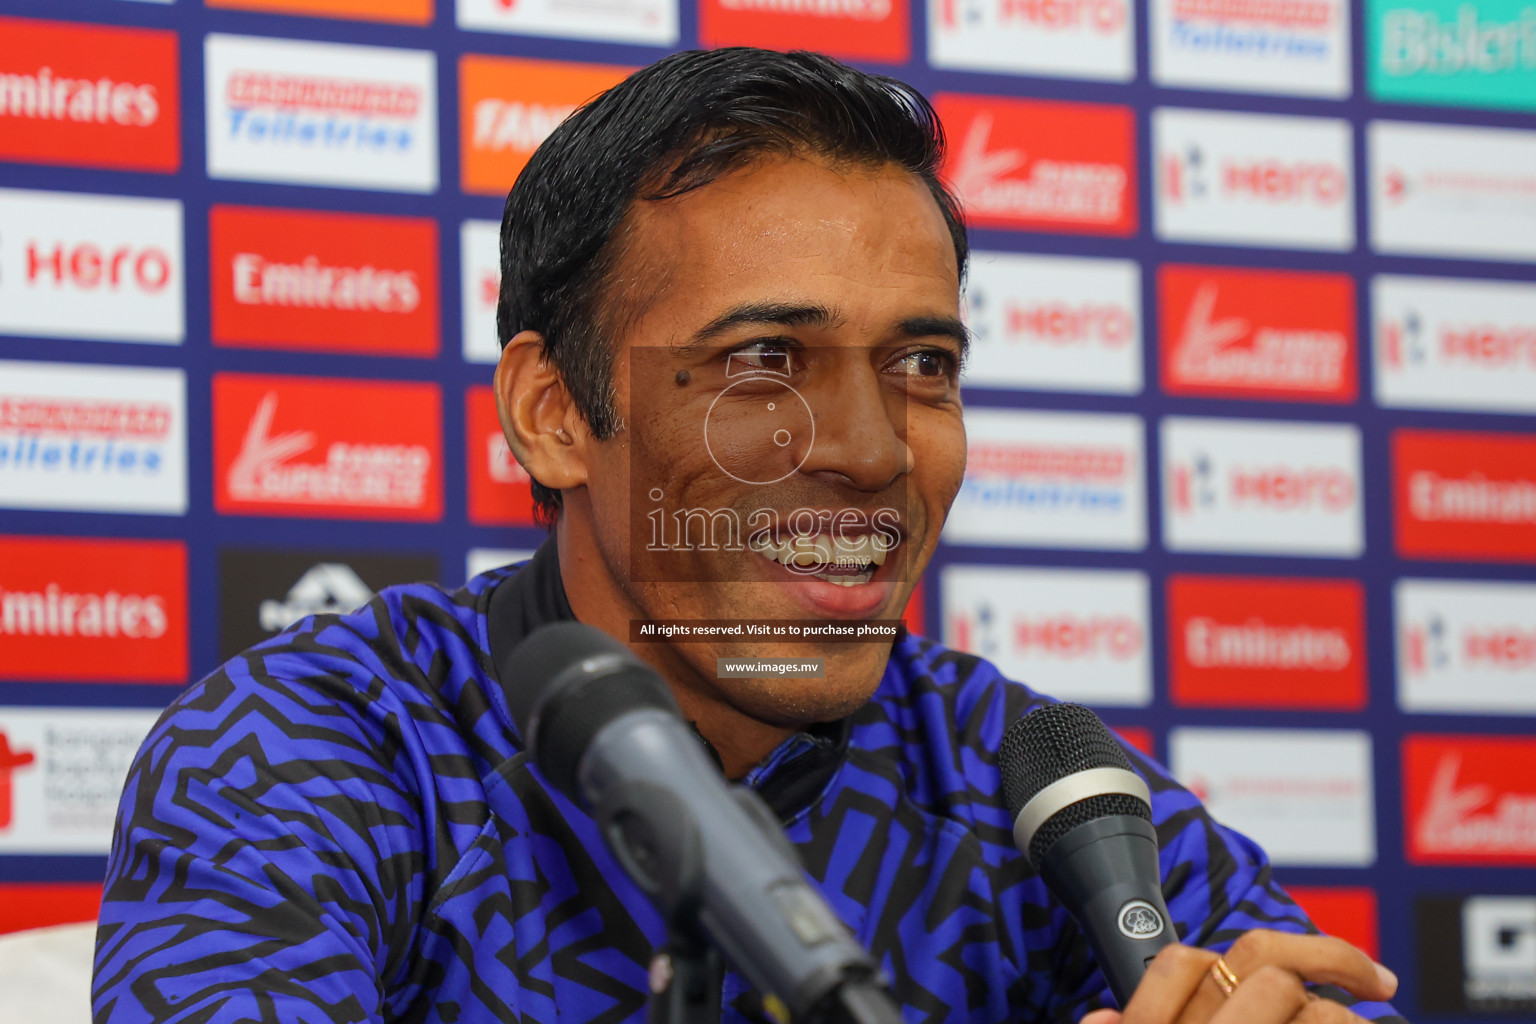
point(1464, 495)
point(39, 905)
point(89, 95)
point(326, 282)
point(500, 491)
point(913, 614)
point(1237, 333)
point(1251, 642)
point(325, 448)
point(1470, 799)
point(88, 610)
point(877, 30)
point(1348, 912)
point(1137, 737)
point(1041, 165)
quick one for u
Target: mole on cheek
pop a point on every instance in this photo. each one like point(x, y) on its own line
point(682, 378)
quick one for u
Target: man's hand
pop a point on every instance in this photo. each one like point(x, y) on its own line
point(1271, 968)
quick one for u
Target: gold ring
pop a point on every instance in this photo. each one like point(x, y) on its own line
point(1222, 975)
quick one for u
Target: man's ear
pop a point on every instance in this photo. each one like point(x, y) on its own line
point(546, 432)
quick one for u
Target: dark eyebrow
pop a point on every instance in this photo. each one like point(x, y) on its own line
point(791, 314)
point(937, 326)
point(781, 314)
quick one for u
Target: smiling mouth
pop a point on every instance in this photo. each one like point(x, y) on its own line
point(847, 563)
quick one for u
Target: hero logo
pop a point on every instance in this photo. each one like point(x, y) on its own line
point(1256, 486)
point(1085, 629)
point(1471, 799)
point(1267, 334)
point(1188, 177)
point(1443, 343)
point(1253, 179)
point(1467, 647)
point(1452, 190)
point(1069, 38)
point(1101, 16)
point(11, 761)
point(1055, 322)
point(1042, 164)
point(1051, 479)
point(90, 266)
point(368, 121)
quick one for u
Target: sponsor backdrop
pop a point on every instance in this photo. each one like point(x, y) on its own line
point(1253, 456)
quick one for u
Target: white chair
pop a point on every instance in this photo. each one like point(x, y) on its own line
point(45, 975)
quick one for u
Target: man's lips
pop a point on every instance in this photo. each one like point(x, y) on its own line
point(869, 590)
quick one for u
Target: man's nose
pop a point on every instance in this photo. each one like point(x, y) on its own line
point(860, 431)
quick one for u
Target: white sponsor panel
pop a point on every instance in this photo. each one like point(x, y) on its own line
point(1305, 795)
point(61, 775)
point(1253, 179)
point(480, 273)
point(105, 268)
point(288, 110)
point(1261, 487)
point(1297, 47)
point(1051, 479)
point(1498, 949)
point(1077, 634)
point(1056, 323)
point(613, 21)
point(480, 560)
point(1067, 38)
point(1466, 647)
point(1452, 190)
point(1448, 343)
point(93, 438)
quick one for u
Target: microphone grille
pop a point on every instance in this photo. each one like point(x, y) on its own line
point(1049, 744)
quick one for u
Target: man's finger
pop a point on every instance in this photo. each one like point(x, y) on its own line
point(1270, 995)
point(1102, 1017)
point(1173, 978)
point(1317, 958)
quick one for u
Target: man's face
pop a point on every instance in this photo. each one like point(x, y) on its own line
point(787, 377)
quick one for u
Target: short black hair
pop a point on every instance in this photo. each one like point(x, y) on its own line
point(667, 129)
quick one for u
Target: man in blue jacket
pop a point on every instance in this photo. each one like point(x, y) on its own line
point(731, 346)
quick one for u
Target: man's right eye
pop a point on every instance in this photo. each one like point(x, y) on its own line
point(775, 357)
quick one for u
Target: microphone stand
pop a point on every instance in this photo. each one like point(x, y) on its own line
point(686, 976)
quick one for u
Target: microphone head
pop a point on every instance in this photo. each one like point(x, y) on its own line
point(1053, 744)
point(566, 681)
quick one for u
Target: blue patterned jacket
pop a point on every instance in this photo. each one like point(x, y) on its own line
point(342, 824)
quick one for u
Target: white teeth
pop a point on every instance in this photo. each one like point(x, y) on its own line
point(822, 549)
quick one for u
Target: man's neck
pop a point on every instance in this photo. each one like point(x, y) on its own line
point(741, 741)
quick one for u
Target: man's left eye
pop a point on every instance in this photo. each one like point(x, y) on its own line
point(928, 363)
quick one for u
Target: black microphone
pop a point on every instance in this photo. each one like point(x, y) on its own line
point(605, 730)
point(1083, 820)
